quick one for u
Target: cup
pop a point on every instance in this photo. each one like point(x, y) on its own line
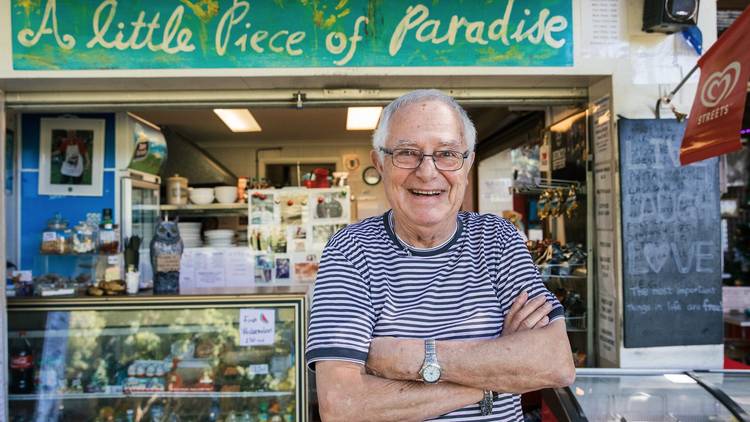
point(132, 279)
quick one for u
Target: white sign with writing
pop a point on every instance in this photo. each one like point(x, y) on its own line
point(605, 261)
point(206, 268)
point(257, 327)
point(602, 116)
point(603, 201)
point(606, 323)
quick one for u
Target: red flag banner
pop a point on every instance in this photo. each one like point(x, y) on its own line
point(716, 116)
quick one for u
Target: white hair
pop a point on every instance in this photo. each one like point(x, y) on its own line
point(380, 135)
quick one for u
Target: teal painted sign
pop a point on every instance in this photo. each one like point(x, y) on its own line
point(185, 34)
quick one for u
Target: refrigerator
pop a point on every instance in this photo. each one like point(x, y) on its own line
point(139, 216)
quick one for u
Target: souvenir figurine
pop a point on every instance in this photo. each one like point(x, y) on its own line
point(166, 249)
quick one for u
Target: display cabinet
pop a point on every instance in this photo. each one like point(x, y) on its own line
point(651, 395)
point(217, 357)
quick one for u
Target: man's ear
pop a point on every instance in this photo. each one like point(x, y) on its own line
point(376, 161)
point(469, 161)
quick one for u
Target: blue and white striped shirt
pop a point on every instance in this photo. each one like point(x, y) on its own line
point(372, 285)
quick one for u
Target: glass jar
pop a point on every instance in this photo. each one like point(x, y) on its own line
point(84, 238)
point(56, 239)
point(108, 237)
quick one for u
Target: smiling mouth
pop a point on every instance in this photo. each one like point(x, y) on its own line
point(420, 192)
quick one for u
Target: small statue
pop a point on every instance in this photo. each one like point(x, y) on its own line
point(166, 249)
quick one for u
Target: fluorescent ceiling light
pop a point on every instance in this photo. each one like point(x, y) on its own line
point(362, 118)
point(238, 119)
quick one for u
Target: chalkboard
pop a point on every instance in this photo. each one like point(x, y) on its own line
point(671, 239)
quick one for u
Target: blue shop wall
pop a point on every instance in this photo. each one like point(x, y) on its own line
point(37, 209)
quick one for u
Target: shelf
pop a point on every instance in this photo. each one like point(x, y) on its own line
point(206, 207)
point(567, 277)
point(164, 394)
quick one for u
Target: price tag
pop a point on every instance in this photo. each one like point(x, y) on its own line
point(49, 236)
point(257, 327)
point(167, 263)
point(258, 369)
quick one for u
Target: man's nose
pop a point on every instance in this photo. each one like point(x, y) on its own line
point(427, 168)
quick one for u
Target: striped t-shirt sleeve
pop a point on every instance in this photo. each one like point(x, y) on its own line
point(517, 273)
point(342, 317)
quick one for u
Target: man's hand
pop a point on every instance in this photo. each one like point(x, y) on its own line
point(527, 314)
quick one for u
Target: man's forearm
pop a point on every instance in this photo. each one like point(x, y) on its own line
point(347, 393)
point(521, 362)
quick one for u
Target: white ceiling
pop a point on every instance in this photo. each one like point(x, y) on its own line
point(287, 124)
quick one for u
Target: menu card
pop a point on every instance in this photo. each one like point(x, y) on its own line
point(207, 268)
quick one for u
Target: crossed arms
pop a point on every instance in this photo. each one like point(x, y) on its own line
point(531, 354)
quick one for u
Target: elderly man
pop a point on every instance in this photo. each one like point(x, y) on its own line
point(425, 312)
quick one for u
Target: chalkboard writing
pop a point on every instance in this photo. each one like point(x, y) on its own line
point(671, 243)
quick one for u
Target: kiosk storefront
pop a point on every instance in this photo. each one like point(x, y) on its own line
point(102, 59)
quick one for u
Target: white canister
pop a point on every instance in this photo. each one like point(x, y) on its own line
point(177, 190)
point(132, 279)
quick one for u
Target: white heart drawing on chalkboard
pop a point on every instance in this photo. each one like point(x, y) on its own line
point(656, 255)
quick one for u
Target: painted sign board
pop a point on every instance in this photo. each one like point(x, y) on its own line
point(229, 34)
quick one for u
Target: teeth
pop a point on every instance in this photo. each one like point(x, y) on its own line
point(426, 192)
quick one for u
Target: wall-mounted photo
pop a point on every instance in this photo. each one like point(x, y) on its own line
point(330, 206)
point(292, 209)
point(71, 157)
point(262, 208)
point(283, 269)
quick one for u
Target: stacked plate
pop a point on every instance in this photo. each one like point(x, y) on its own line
point(242, 237)
point(219, 238)
point(190, 234)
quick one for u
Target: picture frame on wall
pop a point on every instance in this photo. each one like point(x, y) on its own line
point(71, 157)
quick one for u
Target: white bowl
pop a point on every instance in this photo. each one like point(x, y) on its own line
point(201, 196)
point(225, 194)
point(220, 234)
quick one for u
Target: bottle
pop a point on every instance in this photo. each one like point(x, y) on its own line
point(108, 243)
point(22, 367)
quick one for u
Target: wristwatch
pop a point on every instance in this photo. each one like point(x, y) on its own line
point(430, 371)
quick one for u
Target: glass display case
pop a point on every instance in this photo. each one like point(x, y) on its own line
point(232, 357)
point(651, 395)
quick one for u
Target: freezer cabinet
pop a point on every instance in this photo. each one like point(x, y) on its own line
point(159, 358)
point(625, 395)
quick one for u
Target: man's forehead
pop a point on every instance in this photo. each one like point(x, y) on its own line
point(444, 143)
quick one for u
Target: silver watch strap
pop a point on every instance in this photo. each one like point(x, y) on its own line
point(430, 350)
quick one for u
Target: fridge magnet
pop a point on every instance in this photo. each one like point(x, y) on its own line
point(283, 269)
point(261, 208)
point(71, 157)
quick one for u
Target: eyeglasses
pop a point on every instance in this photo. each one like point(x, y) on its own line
point(408, 158)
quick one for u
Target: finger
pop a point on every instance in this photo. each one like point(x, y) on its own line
point(528, 308)
point(515, 307)
point(542, 322)
point(533, 319)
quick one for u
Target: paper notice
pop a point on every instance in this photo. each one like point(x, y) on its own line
point(257, 327)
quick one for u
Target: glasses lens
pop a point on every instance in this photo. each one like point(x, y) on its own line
point(407, 158)
point(448, 160)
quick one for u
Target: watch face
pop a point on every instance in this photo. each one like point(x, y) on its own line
point(431, 373)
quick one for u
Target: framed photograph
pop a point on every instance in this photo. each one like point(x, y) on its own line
point(71, 157)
